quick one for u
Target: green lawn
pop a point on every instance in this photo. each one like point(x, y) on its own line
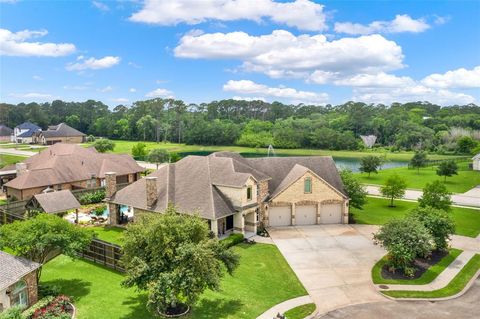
point(126, 147)
point(464, 181)
point(427, 277)
point(6, 159)
point(262, 280)
point(455, 286)
point(109, 233)
point(377, 212)
point(300, 312)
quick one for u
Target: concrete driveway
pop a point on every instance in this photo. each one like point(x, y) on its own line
point(465, 307)
point(333, 262)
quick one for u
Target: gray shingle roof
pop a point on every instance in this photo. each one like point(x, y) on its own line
point(65, 163)
point(191, 183)
point(61, 130)
point(58, 201)
point(5, 130)
point(13, 268)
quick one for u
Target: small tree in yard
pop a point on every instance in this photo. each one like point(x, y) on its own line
point(158, 156)
point(370, 164)
point(104, 145)
point(394, 187)
point(436, 195)
point(139, 150)
point(438, 223)
point(355, 190)
point(404, 240)
point(418, 160)
point(38, 237)
point(173, 258)
point(447, 168)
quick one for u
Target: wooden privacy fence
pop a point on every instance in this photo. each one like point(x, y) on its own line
point(7, 217)
point(104, 253)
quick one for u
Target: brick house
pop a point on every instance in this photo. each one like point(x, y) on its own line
point(237, 194)
point(69, 166)
point(61, 133)
point(18, 281)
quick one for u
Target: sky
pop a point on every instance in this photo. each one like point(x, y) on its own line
point(292, 51)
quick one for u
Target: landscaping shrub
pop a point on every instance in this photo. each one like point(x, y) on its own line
point(232, 240)
point(48, 290)
point(42, 303)
point(404, 240)
point(438, 223)
point(99, 210)
point(92, 198)
point(58, 308)
point(12, 313)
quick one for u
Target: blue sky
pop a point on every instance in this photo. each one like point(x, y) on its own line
point(299, 51)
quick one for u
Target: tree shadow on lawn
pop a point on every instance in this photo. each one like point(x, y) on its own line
point(76, 288)
point(138, 307)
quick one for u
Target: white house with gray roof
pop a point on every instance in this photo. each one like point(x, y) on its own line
point(237, 194)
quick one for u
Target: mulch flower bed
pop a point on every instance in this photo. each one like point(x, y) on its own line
point(59, 308)
point(421, 265)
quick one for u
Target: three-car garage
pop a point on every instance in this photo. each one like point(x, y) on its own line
point(330, 213)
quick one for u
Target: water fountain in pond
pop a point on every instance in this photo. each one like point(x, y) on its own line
point(270, 150)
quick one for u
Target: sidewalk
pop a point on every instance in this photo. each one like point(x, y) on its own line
point(285, 306)
point(470, 198)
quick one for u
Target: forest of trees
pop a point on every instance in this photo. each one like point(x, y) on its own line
point(419, 125)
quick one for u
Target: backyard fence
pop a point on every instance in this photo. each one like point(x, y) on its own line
point(429, 163)
point(7, 217)
point(104, 253)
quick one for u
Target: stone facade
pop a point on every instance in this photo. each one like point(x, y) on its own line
point(151, 187)
point(61, 139)
point(32, 291)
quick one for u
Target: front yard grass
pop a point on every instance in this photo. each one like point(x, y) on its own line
point(464, 181)
point(7, 159)
point(300, 312)
point(426, 278)
point(111, 234)
point(377, 212)
point(262, 280)
point(455, 286)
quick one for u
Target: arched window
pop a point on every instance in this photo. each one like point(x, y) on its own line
point(20, 294)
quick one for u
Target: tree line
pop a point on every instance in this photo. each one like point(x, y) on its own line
point(417, 125)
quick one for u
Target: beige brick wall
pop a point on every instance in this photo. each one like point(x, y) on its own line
point(238, 196)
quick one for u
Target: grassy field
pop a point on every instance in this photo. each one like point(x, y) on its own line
point(109, 233)
point(126, 147)
point(464, 181)
point(377, 212)
point(455, 286)
point(262, 280)
point(300, 312)
point(427, 277)
point(6, 159)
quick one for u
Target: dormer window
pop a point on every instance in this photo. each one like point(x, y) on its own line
point(249, 193)
point(307, 185)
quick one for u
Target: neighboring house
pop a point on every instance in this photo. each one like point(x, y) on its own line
point(54, 202)
point(61, 133)
point(24, 133)
point(69, 166)
point(476, 162)
point(18, 281)
point(238, 194)
point(5, 133)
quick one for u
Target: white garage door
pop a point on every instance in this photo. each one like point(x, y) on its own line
point(280, 216)
point(331, 214)
point(306, 215)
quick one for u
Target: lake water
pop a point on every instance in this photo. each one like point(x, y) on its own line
point(353, 164)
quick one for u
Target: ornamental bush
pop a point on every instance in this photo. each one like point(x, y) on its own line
point(92, 197)
point(404, 240)
point(438, 223)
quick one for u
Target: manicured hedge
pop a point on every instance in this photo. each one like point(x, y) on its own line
point(232, 240)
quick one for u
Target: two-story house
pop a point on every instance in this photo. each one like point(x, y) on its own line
point(25, 132)
point(236, 194)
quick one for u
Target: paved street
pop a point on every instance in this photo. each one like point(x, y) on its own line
point(464, 307)
point(333, 262)
point(470, 198)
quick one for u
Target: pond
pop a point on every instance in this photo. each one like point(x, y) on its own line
point(341, 162)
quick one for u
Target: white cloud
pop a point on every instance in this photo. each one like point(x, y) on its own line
point(100, 6)
point(120, 100)
point(302, 14)
point(94, 64)
point(106, 89)
point(460, 78)
point(33, 96)
point(412, 93)
point(375, 80)
point(15, 44)
point(247, 87)
point(401, 23)
point(132, 90)
point(162, 93)
point(37, 78)
point(282, 54)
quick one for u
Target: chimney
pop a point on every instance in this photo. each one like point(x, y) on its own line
point(21, 168)
point(110, 184)
point(151, 188)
